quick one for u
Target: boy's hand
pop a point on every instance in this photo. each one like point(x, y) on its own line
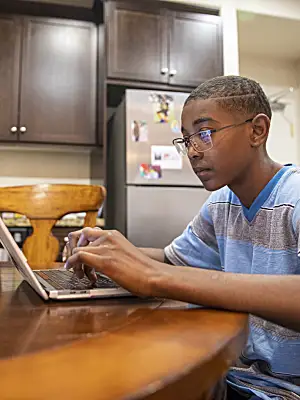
point(110, 253)
point(82, 237)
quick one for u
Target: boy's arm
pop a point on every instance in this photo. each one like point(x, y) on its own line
point(275, 298)
point(272, 297)
point(155, 254)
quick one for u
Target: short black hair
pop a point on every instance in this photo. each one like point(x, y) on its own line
point(234, 94)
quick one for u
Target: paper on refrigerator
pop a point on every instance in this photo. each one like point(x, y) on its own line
point(166, 157)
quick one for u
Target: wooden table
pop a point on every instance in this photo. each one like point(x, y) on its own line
point(111, 349)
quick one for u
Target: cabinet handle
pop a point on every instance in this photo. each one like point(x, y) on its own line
point(173, 72)
point(13, 129)
point(164, 71)
point(23, 129)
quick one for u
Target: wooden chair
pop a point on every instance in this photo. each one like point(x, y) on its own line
point(44, 205)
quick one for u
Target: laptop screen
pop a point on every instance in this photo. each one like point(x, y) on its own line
point(19, 260)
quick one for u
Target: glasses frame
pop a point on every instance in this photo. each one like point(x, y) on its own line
point(187, 141)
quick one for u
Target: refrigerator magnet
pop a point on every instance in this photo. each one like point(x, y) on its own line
point(166, 157)
point(139, 131)
point(163, 107)
point(175, 127)
point(149, 171)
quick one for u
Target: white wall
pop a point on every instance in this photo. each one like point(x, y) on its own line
point(269, 71)
point(276, 75)
point(297, 113)
point(32, 165)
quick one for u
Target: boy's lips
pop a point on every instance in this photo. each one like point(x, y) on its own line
point(203, 173)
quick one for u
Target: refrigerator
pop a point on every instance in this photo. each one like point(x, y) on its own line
point(152, 191)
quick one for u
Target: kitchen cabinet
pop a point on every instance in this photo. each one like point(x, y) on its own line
point(148, 43)
point(10, 47)
point(195, 48)
point(49, 80)
point(137, 41)
point(58, 83)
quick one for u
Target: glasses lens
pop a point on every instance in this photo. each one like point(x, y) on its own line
point(180, 147)
point(202, 141)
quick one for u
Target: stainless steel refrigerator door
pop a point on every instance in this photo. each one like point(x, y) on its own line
point(140, 108)
point(157, 215)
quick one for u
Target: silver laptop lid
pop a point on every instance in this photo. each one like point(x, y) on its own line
point(19, 260)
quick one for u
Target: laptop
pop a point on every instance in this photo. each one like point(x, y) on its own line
point(58, 284)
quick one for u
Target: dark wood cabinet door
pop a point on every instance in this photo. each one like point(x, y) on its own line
point(58, 83)
point(137, 42)
point(10, 37)
point(195, 48)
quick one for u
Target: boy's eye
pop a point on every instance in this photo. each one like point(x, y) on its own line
point(205, 135)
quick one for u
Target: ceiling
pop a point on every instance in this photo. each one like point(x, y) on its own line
point(77, 3)
point(269, 36)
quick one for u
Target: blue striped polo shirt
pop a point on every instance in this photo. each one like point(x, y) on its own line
point(262, 239)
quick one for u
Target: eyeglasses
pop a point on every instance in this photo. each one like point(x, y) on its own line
point(201, 141)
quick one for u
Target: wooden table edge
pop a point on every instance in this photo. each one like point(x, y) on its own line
point(56, 366)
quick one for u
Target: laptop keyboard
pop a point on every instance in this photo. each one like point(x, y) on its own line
point(62, 280)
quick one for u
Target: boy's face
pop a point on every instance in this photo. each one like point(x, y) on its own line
point(231, 153)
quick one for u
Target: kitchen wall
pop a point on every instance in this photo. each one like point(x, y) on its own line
point(31, 165)
point(297, 113)
point(276, 75)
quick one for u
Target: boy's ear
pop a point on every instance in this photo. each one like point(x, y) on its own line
point(260, 130)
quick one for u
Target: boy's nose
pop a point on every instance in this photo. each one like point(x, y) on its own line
point(192, 153)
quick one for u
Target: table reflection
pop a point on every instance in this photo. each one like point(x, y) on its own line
point(28, 324)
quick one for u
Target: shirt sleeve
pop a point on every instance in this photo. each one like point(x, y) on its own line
point(296, 227)
point(197, 246)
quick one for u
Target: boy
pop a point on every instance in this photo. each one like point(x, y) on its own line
point(248, 228)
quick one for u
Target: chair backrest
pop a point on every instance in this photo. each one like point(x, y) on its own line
point(44, 205)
